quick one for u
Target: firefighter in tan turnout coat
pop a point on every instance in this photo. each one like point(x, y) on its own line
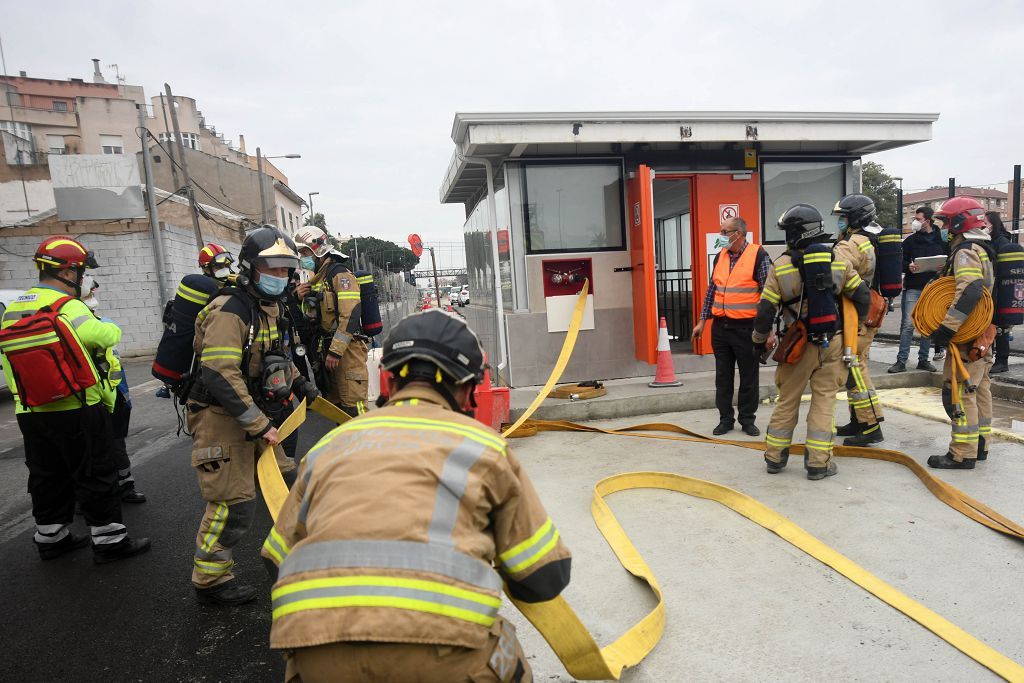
point(391, 549)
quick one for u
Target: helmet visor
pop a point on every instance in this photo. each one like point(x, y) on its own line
point(90, 260)
point(282, 261)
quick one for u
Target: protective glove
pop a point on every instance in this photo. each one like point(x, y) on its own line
point(761, 349)
point(306, 389)
point(942, 336)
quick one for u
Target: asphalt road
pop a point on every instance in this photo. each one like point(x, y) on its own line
point(137, 620)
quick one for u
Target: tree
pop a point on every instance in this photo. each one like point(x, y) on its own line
point(380, 253)
point(318, 220)
point(881, 187)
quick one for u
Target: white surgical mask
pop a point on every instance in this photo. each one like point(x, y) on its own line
point(916, 225)
point(222, 273)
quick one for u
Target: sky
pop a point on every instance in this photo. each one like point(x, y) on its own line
point(366, 91)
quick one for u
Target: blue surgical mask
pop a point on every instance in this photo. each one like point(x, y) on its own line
point(308, 263)
point(271, 285)
point(842, 223)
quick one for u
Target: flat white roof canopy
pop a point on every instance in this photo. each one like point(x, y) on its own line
point(502, 136)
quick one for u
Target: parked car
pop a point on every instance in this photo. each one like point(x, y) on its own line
point(453, 295)
point(6, 297)
point(464, 295)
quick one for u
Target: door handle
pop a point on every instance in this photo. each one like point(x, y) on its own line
point(623, 270)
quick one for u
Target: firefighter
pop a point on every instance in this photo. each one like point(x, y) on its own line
point(343, 347)
point(392, 547)
point(791, 288)
point(970, 261)
point(856, 247)
point(69, 441)
point(244, 385)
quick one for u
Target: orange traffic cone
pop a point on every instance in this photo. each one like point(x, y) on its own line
point(665, 375)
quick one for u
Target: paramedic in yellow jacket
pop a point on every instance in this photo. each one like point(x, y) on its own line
point(391, 549)
point(345, 348)
point(68, 441)
point(970, 262)
point(858, 230)
point(245, 386)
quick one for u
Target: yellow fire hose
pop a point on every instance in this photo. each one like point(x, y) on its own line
point(929, 312)
point(569, 637)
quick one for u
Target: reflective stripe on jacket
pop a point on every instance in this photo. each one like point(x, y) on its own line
point(339, 307)
point(401, 527)
point(974, 273)
point(96, 337)
point(736, 290)
point(858, 251)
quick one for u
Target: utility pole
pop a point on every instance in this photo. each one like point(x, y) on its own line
point(170, 148)
point(437, 286)
point(184, 169)
point(355, 242)
point(259, 179)
point(311, 214)
point(1016, 202)
point(952, 188)
point(154, 219)
point(899, 203)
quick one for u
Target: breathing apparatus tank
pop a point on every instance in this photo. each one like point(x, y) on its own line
point(369, 307)
point(1009, 294)
point(889, 269)
point(174, 353)
point(822, 310)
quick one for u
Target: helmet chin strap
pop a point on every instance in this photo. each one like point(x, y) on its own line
point(76, 285)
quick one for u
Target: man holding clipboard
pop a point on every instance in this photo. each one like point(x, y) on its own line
point(924, 254)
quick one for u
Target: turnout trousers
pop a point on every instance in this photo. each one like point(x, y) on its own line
point(823, 368)
point(225, 464)
point(349, 379)
point(730, 340)
point(971, 429)
point(860, 389)
point(501, 660)
point(70, 456)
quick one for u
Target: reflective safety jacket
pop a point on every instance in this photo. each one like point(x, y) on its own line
point(858, 251)
point(972, 267)
point(737, 290)
point(401, 527)
point(96, 338)
point(339, 307)
point(784, 287)
point(230, 329)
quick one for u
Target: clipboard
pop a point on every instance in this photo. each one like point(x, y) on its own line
point(930, 264)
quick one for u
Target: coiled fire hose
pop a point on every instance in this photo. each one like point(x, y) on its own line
point(929, 312)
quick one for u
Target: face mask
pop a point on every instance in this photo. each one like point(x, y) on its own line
point(916, 225)
point(308, 263)
point(843, 223)
point(221, 273)
point(271, 285)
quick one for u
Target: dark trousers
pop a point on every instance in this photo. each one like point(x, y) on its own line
point(70, 456)
point(1002, 347)
point(733, 348)
point(119, 424)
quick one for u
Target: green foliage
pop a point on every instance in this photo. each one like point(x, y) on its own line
point(381, 253)
point(882, 189)
point(318, 220)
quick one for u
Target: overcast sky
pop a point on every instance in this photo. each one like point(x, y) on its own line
point(366, 91)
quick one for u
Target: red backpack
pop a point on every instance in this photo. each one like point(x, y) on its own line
point(47, 360)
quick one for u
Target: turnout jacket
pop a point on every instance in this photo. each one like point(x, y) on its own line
point(972, 267)
point(784, 287)
point(233, 328)
point(401, 527)
point(858, 251)
point(340, 305)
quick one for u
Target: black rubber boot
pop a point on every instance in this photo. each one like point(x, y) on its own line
point(229, 593)
point(132, 496)
point(982, 449)
point(776, 467)
point(50, 551)
point(864, 438)
point(946, 462)
point(128, 547)
point(816, 473)
point(999, 367)
point(723, 427)
point(852, 428)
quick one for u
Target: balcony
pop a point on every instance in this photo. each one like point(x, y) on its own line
point(43, 117)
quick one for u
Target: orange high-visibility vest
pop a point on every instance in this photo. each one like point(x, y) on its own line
point(736, 290)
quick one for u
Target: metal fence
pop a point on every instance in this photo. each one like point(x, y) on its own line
point(675, 302)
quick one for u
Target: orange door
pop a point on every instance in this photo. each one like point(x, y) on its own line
point(640, 204)
point(714, 197)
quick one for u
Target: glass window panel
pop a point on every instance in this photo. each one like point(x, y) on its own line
point(573, 207)
point(818, 183)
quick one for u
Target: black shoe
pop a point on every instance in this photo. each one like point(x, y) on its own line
point(863, 439)
point(998, 368)
point(751, 430)
point(939, 355)
point(50, 551)
point(925, 365)
point(133, 496)
point(946, 462)
point(816, 473)
point(776, 467)
point(851, 429)
point(898, 366)
point(228, 593)
point(723, 427)
point(128, 547)
point(163, 392)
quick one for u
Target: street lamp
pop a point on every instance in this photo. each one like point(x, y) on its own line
point(259, 178)
point(311, 206)
point(899, 202)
